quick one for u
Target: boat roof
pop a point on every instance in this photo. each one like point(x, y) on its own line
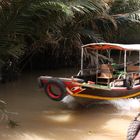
point(104, 46)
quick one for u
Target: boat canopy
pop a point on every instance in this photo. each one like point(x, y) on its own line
point(104, 46)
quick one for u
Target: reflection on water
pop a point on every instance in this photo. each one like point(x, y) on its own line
point(43, 119)
point(58, 115)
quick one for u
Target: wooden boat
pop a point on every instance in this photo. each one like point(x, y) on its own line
point(108, 71)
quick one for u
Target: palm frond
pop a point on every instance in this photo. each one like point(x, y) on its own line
point(124, 6)
point(58, 21)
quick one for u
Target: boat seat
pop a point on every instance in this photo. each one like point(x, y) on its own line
point(134, 71)
point(131, 68)
point(106, 74)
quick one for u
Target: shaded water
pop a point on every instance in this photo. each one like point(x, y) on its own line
point(40, 118)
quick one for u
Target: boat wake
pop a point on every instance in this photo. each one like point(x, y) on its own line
point(70, 102)
point(124, 106)
point(127, 106)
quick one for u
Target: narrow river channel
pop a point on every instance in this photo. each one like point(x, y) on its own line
point(40, 118)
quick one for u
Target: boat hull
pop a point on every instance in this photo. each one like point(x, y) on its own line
point(77, 88)
point(112, 94)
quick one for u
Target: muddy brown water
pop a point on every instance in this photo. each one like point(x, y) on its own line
point(40, 118)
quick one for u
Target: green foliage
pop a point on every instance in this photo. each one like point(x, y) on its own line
point(125, 6)
point(64, 23)
point(130, 9)
point(127, 16)
point(45, 21)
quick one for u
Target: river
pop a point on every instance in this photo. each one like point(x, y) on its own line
point(40, 118)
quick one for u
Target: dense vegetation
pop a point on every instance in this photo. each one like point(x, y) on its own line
point(44, 30)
